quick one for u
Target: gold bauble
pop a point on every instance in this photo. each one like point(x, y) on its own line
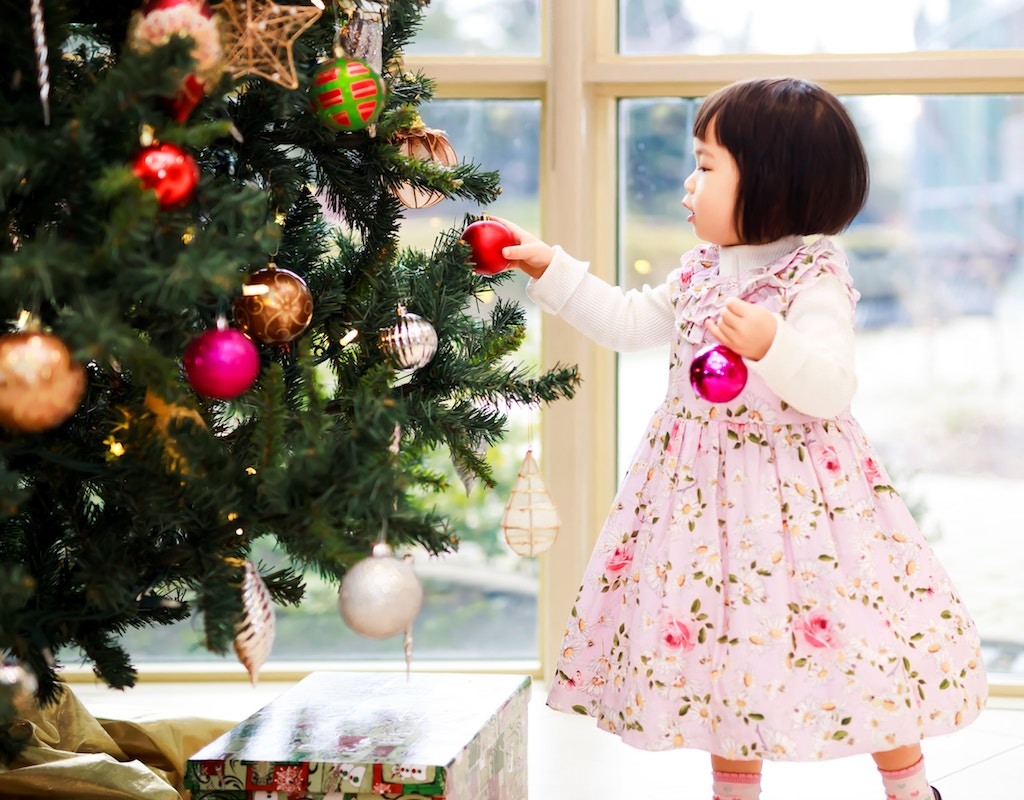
point(40, 384)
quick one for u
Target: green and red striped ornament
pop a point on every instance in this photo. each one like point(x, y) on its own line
point(347, 94)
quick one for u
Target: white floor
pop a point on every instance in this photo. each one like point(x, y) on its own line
point(571, 760)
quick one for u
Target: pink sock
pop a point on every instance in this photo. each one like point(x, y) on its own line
point(907, 784)
point(736, 785)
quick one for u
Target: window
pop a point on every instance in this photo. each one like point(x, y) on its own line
point(936, 256)
point(936, 253)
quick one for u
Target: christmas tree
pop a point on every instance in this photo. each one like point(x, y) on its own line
point(193, 357)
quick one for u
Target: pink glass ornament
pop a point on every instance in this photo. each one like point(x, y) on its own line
point(221, 363)
point(717, 374)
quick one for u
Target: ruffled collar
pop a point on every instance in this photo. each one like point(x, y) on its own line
point(740, 259)
point(767, 274)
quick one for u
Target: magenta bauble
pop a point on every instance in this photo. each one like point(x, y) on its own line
point(717, 374)
point(221, 363)
point(487, 238)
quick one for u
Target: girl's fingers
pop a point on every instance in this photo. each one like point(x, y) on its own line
point(521, 235)
point(715, 331)
point(736, 306)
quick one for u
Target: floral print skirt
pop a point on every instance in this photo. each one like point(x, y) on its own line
point(760, 590)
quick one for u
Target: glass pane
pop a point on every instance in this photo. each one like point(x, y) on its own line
point(938, 257)
point(697, 27)
point(484, 587)
point(479, 28)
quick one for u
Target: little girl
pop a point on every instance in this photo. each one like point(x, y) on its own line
point(759, 590)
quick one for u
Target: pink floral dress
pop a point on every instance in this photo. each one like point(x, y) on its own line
point(759, 589)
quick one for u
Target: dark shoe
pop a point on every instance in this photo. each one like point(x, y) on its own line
point(936, 793)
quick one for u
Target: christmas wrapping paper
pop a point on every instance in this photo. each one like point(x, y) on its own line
point(358, 736)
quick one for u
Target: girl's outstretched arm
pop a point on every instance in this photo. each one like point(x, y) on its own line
point(619, 320)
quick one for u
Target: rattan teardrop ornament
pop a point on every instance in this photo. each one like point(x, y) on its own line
point(530, 523)
point(254, 636)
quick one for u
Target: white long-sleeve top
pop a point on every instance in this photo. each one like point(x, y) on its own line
point(810, 363)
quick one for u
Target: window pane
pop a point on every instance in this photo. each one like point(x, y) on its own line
point(479, 27)
point(938, 257)
point(698, 27)
point(484, 588)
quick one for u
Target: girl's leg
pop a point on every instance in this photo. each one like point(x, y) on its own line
point(903, 773)
point(735, 780)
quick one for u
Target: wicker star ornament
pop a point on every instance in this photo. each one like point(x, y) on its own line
point(258, 38)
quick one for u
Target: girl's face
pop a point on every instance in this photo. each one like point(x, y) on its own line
point(711, 192)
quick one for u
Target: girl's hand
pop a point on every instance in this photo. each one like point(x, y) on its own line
point(745, 328)
point(531, 255)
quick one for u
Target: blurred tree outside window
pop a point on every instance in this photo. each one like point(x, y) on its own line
point(480, 27)
point(695, 27)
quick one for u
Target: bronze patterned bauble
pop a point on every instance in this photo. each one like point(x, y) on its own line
point(275, 306)
point(410, 343)
point(40, 385)
point(426, 145)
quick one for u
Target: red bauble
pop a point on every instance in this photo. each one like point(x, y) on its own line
point(169, 171)
point(717, 374)
point(487, 238)
point(221, 363)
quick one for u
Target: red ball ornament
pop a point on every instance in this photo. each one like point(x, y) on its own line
point(487, 238)
point(347, 94)
point(221, 363)
point(169, 171)
point(717, 374)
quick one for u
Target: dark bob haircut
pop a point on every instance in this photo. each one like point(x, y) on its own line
point(802, 168)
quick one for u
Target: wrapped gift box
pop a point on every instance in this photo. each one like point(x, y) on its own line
point(358, 736)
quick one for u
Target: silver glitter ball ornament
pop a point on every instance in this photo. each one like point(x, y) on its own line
point(410, 343)
point(381, 595)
